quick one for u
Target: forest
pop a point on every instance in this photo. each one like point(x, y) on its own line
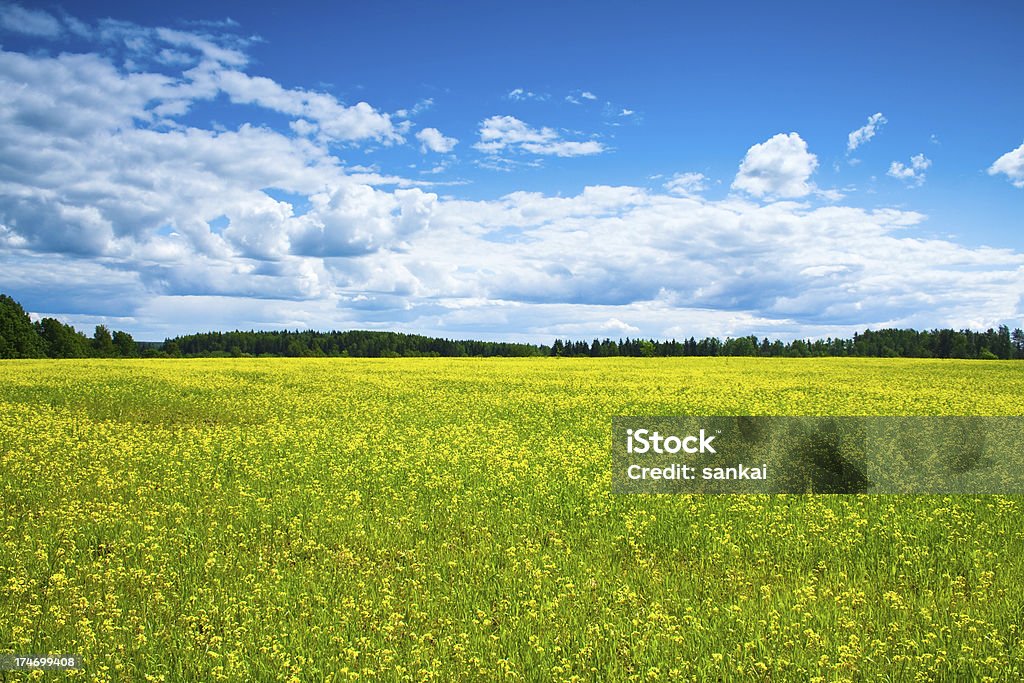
point(20, 337)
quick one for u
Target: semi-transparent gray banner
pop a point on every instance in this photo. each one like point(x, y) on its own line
point(730, 454)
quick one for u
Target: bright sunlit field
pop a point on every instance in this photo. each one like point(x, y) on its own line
point(411, 519)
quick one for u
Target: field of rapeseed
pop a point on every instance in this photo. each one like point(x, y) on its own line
point(412, 519)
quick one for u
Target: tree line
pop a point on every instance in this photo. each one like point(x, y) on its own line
point(992, 344)
point(50, 338)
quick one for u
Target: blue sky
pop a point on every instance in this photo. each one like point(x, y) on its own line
point(490, 171)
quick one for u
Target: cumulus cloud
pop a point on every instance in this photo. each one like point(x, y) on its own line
point(432, 139)
point(95, 165)
point(780, 166)
point(324, 113)
point(31, 22)
point(500, 134)
point(780, 266)
point(914, 173)
point(358, 219)
point(113, 208)
point(542, 266)
point(865, 132)
point(1012, 165)
point(76, 94)
point(686, 183)
point(212, 65)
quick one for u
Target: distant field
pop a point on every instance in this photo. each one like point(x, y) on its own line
point(409, 519)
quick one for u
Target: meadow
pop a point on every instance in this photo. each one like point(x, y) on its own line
point(451, 519)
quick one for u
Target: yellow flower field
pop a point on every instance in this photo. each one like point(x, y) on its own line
point(451, 519)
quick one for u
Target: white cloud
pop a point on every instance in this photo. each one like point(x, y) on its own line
point(334, 120)
point(416, 109)
point(1011, 164)
point(626, 112)
point(358, 219)
point(217, 64)
point(31, 22)
point(93, 168)
point(577, 96)
point(612, 327)
point(208, 48)
point(507, 133)
point(780, 166)
point(609, 261)
point(141, 45)
point(832, 195)
point(865, 132)
point(912, 174)
point(521, 95)
point(686, 184)
point(113, 208)
point(75, 94)
point(778, 267)
point(432, 139)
